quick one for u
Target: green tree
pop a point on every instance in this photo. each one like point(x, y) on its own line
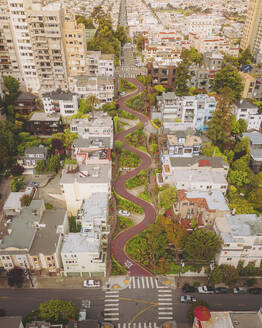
point(121, 34)
point(229, 77)
point(40, 166)
point(53, 163)
point(241, 205)
point(140, 43)
point(229, 274)
point(216, 276)
point(160, 89)
point(15, 277)
point(168, 197)
point(181, 79)
point(118, 145)
point(245, 57)
point(17, 183)
point(202, 245)
point(58, 311)
point(88, 22)
point(191, 56)
point(238, 178)
point(11, 84)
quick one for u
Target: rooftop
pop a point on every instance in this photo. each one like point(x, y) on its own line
point(13, 200)
point(86, 174)
point(100, 120)
point(36, 150)
point(255, 137)
point(46, 238)
point(25, 96)
point(245, 319)
point(80, 243)
point(245, 104)
point(202, 161)
point(83, 80)
point(199, 176)
point(58, 95)
point(42, 116)
point(92, 142)
point(188, 141)
point(23, 227)
point(95, 207)
point(10, 322)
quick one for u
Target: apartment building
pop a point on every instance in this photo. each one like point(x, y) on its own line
point(255, 149)
point(102, 87)
point(203, 25)
point(202, 206)
point(100, 64)
point(162, 73)
point(252, 34)
point(74, 38)
point(60, 102)
point(249, 83)
point(181, 113)
point(249, 112)
point(180, 144)
point(195, 173)
point(242, 239)
point(33, 239)
point(78, 182)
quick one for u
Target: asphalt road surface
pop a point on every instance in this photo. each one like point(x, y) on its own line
point(135, 305)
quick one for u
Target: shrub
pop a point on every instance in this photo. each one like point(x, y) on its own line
point(17, 184)
point(125, 204)
point(124, 114)
point(48, 206)
point(17, 170)
point(25, 200)
point(139, 180)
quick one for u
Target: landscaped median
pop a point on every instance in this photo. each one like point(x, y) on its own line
point(126, 205)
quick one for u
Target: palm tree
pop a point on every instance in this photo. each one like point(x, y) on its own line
point(92, 101)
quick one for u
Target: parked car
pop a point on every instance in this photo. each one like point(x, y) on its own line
point(255, 291)
point(188, 288)
point(92, 283)
point(205, 290)
point(240, 290)
point(187, 299)
point(221, 290)
point(124, 213)
point(33, 184)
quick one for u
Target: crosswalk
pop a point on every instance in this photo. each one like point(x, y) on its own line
point(111, 309)
point(165, 304)
point(144, 282)
point(138, 325)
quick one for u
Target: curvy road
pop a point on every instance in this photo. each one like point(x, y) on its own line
point(118, 244)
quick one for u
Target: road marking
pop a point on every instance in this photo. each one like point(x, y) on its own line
point(165, 313)
point(143, 283)
point(164, 299)
point(138, 283)
point(111, 308)
point(112, 319)
point(112, 300)
point(111, 295)
point(165, 308)
point(165, 303)
point(165, 295)
point(152, 282)
point(165, 318)
point(165, 291)
point(147, 282)
point(112, 304)
point(112, 292)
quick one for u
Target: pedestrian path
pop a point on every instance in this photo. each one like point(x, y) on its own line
point(165, 304)
point(138, 325)
point(111, 308)
point(144, 282)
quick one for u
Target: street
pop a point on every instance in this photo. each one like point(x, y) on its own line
point(143, 301)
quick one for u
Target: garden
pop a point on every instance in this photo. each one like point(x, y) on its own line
point(126, 86)
point(128, 159)
point(137, 102)
point(126, 205)
point(123, 223)
point(137, 139)
point(139, 180)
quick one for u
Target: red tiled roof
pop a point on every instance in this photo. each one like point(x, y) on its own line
point(204, 162)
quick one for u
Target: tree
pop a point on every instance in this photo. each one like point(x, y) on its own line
point(88, 22)
point(216, 276)
point(140, 43)
point(202, 246)
point(191, 56)
point(53, 163)
point(57, 146)
point(160, 89)
point(245, 57)
point(58, 311)
point(238, 127)
point(168, 197)
point(190, 313)
point(241, 205)
point(121, 34)
point(17, 170)
point(25, 200)
point(11, 84)
point(118, 145)
point(15, 277)
point(181, 79)
point(229, 274)
point(229, 77)
point(40, 166)
point(17, 183)
point(238, 178)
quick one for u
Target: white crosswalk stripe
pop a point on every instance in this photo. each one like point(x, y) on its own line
point(111, 307)
point(146, 282)
point(138, 325)
point(165, 302)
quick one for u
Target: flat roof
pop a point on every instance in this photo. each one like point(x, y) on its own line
point(99, 120)
point(95, 207)
point(255, 137)
point(214, 162)
point(13, 200)
point(245, 320)
point(218, 320)
point(10, 322)
point(215, 199)
point(190, 141)
point(80, 243)
point(199, 176)
point(42, 116)
point(93, 142)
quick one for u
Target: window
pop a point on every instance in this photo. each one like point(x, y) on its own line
point(229, 258)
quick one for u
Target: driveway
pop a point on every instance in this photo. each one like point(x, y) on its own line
point(118, 244)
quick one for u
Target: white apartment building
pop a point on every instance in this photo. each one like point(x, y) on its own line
point(203, 25)
point(100, 64)
point(181, 113)
point(196, 173)
point(82, 255)
point(102, 87)
point(248, 112)
point(242, 239)
point(59, 101)
point(79, 182)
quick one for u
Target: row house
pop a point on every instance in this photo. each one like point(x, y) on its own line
point(181, 144)
point(180, 113)
point(195, 173)
point(31, 156)
point(33, 239)
point(255, 149)
point(242, 239)
point(102, 87)
point(202, 206)
point(60, 102)
point(247, 111)
point(162, 73)
point(100, 64)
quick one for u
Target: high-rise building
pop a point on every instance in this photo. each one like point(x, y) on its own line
point(31, 44)
point(252, 34)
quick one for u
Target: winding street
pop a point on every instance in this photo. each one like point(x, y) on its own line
point(118, 244)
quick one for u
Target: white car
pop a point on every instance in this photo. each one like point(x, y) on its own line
point(240, 290)
point(123, 93)
point(92, 283)
point(205, 290)
point(124, 213)
point(187, 299)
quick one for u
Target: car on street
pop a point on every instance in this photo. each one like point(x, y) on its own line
point(187, 299)
point(124, 213)
point(221, 290)
point(240, 290)
point(255, 291)
point(205, 290)
point(188, 288)
point(33, 184)
point(92, 283)
point(123, 93)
